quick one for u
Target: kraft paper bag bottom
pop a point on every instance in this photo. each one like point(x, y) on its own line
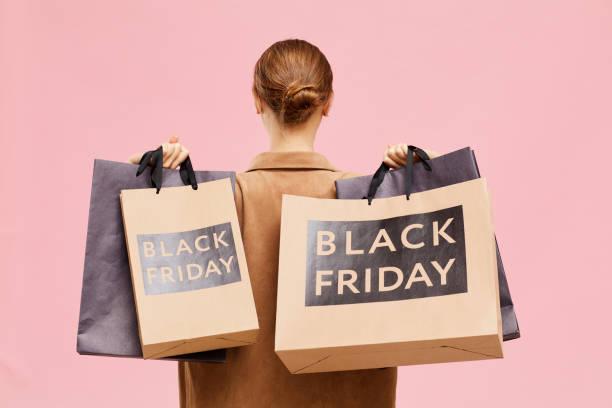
point(226, 340)
point(391, 354)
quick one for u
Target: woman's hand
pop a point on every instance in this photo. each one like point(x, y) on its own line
point(174, 154)
point(396, 155)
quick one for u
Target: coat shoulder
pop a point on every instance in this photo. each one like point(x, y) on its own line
point(252, 178)
point(347, 174)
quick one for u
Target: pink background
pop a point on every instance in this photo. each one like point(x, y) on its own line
point(527, 84)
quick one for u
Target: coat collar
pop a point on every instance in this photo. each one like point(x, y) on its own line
point(291, 160)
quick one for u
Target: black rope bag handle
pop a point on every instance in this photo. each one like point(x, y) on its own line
point(382, 171)
point(156, 159)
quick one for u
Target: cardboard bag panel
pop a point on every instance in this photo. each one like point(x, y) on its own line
point(396, 283)
point(191, 284)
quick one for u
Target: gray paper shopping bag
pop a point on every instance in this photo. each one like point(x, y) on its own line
point(107, 320)
point(451, 168)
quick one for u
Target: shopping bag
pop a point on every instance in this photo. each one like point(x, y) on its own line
point(189, 273)
point(107, 318)
point(393, 283)
point(447, 169)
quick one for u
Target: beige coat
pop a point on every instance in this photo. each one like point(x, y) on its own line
point(253, 376)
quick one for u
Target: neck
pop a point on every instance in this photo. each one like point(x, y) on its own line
point(298, 138)
point(291, 143)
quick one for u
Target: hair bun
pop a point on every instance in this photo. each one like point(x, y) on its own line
point(293, 89)
point(298, 103)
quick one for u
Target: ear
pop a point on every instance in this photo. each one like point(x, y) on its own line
point(258, 104)
point(328, 104)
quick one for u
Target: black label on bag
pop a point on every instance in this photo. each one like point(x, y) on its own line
point(188, 260)
point(407, 257)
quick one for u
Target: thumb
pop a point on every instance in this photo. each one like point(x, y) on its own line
point(173, 139)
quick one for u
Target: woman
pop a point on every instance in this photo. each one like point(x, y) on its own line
point(292, 90)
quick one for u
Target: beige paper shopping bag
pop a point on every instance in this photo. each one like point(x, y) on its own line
point(394, 283)
point(189, 273)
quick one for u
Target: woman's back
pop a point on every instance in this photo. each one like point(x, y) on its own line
point(253, 376)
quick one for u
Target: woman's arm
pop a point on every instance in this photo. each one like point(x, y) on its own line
point(174, 154)
point(395, 155)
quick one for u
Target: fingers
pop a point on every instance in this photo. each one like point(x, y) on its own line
point(398, 154)
point(389, 162)
point(395, 156)
point(135, 158)
point(173, 152)
point(168, 149)
point(403, 150)
point(180, 158)
point(389, 158)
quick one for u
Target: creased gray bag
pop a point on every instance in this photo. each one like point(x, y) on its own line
point(451, 168)
point(107, 320)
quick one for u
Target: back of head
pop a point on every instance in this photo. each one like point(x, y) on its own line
point(293, 77)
